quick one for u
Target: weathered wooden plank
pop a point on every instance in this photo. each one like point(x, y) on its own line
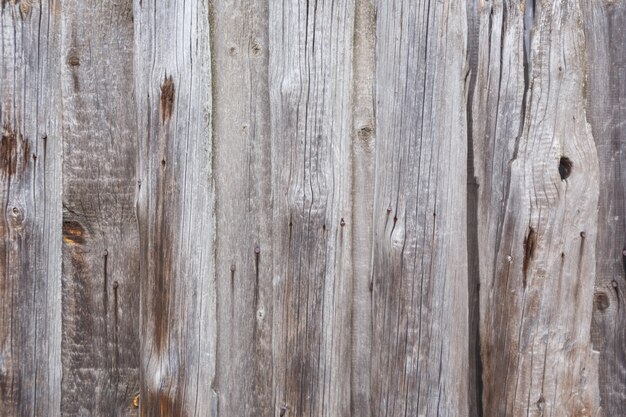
point(30, 197)
point(362, 194)
point(420, 329)
point(606, 112)
point(473, 248)
point(175, 208)
point(100, 352)
point(310, 76)
point(243, 188)
point(540, 222)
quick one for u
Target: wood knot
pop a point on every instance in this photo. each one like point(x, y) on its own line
point(73, 61)
point(73, 232)
point(565, 167)
point(601, 301)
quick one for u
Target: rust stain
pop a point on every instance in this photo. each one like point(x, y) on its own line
point(167, 98)
point(9, 150)
point(530, 244)
point(73, 232)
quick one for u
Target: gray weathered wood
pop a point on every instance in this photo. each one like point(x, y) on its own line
point(244, 246)
point(310, 76)
point(100, 236)
point(606, 104)
point(175, 203)
point(30, 197)
point(420, 287)
point(537, 230)
point(362, 194)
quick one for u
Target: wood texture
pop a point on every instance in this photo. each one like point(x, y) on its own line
point(30, 223)
point(606, 98)
point(243, 187)
point(100, 236)
point(419, 300)
point(175, 208)
point(310, 103)
point(540, 221)
point(310, 208)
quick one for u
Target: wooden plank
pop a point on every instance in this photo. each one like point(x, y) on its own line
point(606, 112)
point(420, 329)
point(175, 203)
point(310, 76)
point(30, 197)
point(362, 194)
point(473, 248)
point(243, 188)
point(541, 226)
point(100, 236)
point(496, 119)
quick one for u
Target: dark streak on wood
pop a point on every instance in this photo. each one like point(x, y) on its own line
point(530, 244)
point(167, 99)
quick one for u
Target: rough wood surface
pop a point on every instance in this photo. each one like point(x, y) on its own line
point(30, 223)
point(538, 205)
point(100, 237)
point(310, 85)
point(419, 289)
point(175, 207)
point(243, 176)
point(309, 208)
point(606, 92)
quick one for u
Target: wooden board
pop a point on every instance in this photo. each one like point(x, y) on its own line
point(243, 188)
point(420, 280)
point(536, 164)
point(30, 223)
point(606, 94)
point(175, 208)
point(99, 233)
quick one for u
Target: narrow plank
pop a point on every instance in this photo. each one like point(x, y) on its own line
point(536, 300)
point(363, 179)
point(474, 9)
point(496, 121)
point(30, 197)
point(420, 286)
point(175, 206)
point(100, 352)
point(243, 187)
point(606, 112)
point(310, 81)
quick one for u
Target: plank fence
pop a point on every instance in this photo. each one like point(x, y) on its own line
point(313, 208)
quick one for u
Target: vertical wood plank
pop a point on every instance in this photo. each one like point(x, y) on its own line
point(537, 293)
point(420, 330)
point(311, 125)
point(100, 236)
point(243, 169)
point(175, 208)
point(30, 222)
point(606, 105)
point(362, 194)
point(496, 120)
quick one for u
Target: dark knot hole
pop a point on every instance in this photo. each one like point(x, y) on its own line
point(565, 167)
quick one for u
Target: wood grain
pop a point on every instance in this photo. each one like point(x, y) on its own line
point(243, 186)
point(606, 95)
point(420, 282)
point(310, 104)
point(538, 200)
point(30, 223)
point(99, 231)
point(175, 208)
